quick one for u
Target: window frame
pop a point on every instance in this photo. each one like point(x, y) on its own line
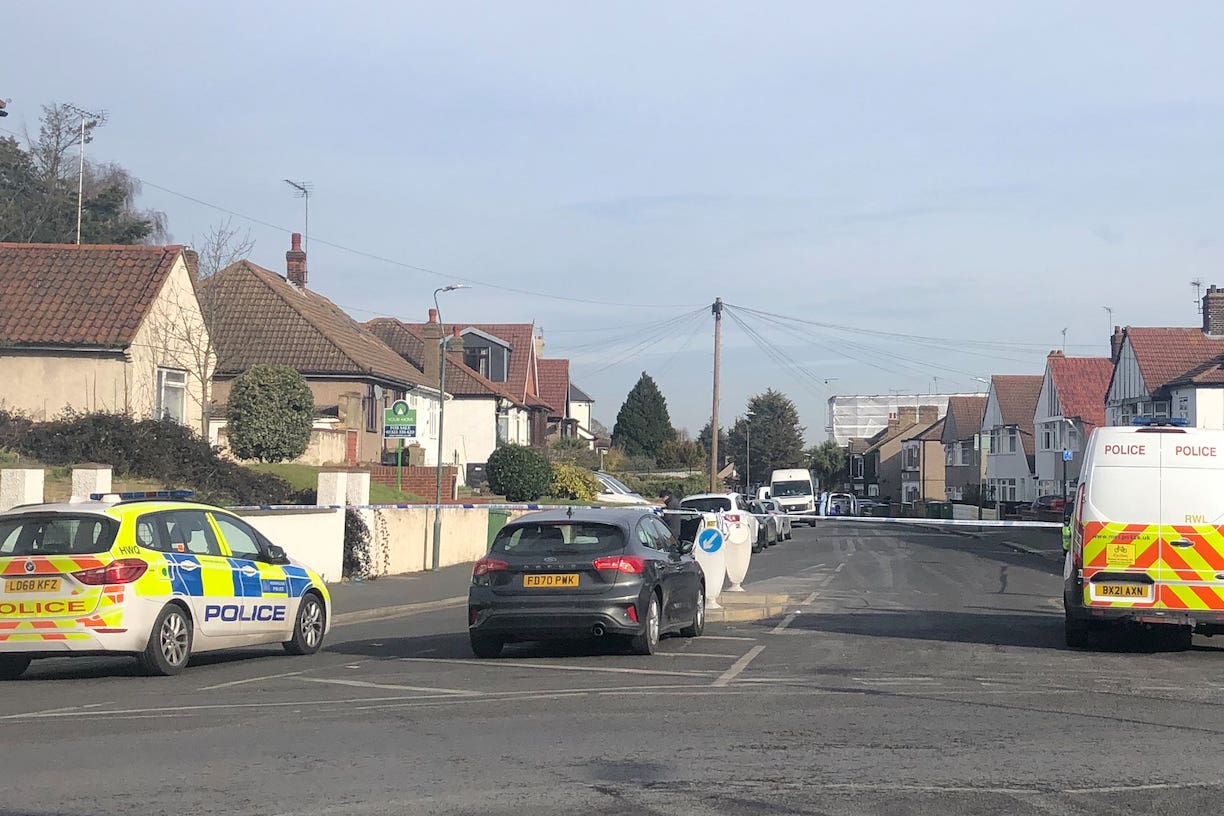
point(260, 542)
point(163, 385)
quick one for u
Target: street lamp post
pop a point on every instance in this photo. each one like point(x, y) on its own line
point(1062, 454)
point(437, 525)
point(748, 452)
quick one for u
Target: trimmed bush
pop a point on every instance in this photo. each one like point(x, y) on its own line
point(271, 412)
point(573, 482)
point(519, 473)
point(166, 452)
point(680, 486)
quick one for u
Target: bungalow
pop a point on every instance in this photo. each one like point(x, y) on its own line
point(259, 317)
point(102, 328)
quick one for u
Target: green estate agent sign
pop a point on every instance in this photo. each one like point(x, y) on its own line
point(399, 421)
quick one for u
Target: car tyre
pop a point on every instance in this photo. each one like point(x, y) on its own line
point(648, 641)
point(169, 646)
point(1076, 633)
point(308, 627)
point(13, 666)
point(759, 544)
point(698, 617)
point(485, 647)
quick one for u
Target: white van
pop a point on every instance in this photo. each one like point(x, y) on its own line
point(794, 491)
point(1147, 532)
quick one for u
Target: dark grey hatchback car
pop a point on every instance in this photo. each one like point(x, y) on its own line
point(586, 572)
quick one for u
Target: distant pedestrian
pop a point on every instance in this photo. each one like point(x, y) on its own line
point(670, 502)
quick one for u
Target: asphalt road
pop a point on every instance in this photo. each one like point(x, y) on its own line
point(922, 672)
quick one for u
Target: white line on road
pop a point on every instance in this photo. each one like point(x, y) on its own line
point(726, 637)
point(782, 624)
point(737, 667)
point(503, 665)
point(391, 686)
point(248, 680)
point(389, 612)
point(839, 566)
point(809, 600)
point(696, 654)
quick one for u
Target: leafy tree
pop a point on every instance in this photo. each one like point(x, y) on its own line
point(681, 453)
point(777, 436)
point(828, 461)
point(570, 481)
point(574, 451)
point(519, 473)
point(271, 411)
point(643, 424)
point(38, 189)
point(704, 439)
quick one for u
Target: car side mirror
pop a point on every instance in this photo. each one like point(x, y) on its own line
point(276, 554)
point(685, 547)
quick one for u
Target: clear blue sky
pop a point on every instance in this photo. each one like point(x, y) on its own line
point(969, 170)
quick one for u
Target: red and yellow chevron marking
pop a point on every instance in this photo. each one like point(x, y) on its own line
point(1117, 546)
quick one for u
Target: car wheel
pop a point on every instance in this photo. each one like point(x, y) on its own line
point(698, 617)
point(1180, 638)
point(648, 641)
point(13, 666)
point(169, 646)
point(1076, 633)
point(309, 627)
point(485, 647)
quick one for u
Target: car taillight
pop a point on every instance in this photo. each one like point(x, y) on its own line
point(631, 611)
point(486, 565)
point(629, 564)
point(122, 571)
point(1077, 529)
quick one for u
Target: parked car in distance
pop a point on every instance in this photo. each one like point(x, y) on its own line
point(770, 530)
point(784, 521)
point(872, 507)
point(1049, 504)
point(734, 506)
point(614, 491)
point(585, 572)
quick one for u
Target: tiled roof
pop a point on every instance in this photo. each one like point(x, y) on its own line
point(521, 379)
point(257, 317)
point(965, 415)
point(554, 383)
point(1081, 384)
point(1164, 354)
point(70, 295)
point(1017, 396)
point(931, 433)
point(1208, 373)
point(406, 340)
point(888, 434)
point(576, 394)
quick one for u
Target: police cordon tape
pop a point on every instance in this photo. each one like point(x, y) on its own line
point(926, 522)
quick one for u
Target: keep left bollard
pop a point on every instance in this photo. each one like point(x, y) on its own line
point(709, 551)
point(739, 553)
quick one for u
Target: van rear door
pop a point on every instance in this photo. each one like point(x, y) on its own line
point(1191, 566)
point(1122, 519)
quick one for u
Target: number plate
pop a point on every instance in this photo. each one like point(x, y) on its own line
point(1122, 592)
point(569, 579)
point(32, 585)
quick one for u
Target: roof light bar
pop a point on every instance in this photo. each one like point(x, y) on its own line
point(136, 495)
point(1145, 421)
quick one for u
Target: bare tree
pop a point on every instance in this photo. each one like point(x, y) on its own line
point(221, 246)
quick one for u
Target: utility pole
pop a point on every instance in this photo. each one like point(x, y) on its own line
point(717, 310)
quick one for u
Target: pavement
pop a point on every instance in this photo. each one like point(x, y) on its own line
point(911, 672)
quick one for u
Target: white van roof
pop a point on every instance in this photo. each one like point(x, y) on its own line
point(789, 474)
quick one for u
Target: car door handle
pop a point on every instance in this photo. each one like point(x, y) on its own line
point(189, 566)
point(247, 569)
point(1181, 542)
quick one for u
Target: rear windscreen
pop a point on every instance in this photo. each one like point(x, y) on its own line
point(791, 489)
point(712, 504)
point(562, 538)
point(56, 535)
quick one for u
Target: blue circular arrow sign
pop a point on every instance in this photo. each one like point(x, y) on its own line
point(710, 540)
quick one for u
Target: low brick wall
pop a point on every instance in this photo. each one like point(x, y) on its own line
point(419, 480)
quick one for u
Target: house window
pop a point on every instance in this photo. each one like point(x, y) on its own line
point(1047, 439)
point(503, 427)
point(856, 467)
point(966, 453)
point(477, 359)
point(949, 454)
point(873, 491)
point(1013, 439)
point(1160, 409)
point(171, 395)
point(371, 409)
point(1073, 438)
point(994, 441)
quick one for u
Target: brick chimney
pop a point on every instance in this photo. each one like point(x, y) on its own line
point(432, 332)
point(1115, 344)
point(893, 422)
point(455, 345)
point(295, 263)
point(928, 414)
point(1213, 312)
point(907, 415)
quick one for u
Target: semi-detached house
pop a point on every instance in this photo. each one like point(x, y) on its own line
point(1007, 427)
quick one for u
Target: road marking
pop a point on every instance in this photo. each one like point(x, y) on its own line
point(248, 680)
point(391, 686)
point(809, 600)
point(182, 710)
point(65, 710)
point(1149, 787)
point(389, 612)
point(696, 654)
point(506, 664)
point(839, 566)
point(726, 637)
point(737, 667)
point(785, 622)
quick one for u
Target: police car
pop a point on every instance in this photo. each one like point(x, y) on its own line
point(149, 574)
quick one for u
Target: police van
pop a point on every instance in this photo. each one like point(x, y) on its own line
point(1147, 533)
